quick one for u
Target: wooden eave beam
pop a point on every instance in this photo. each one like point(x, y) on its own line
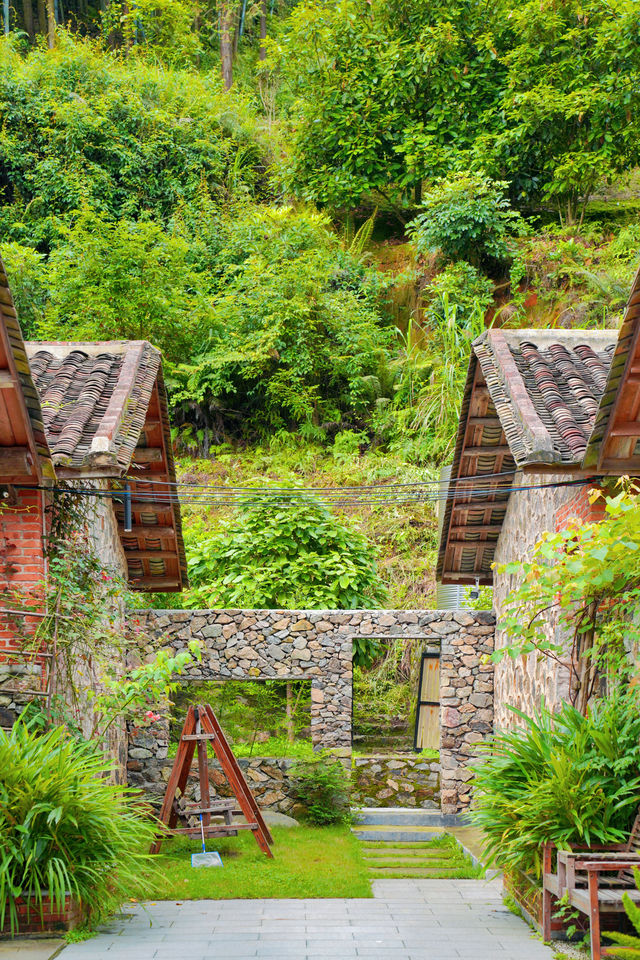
point(147, 455)
point(479, 528)
point(155, 583)
point(148, 531)
point(149, 554)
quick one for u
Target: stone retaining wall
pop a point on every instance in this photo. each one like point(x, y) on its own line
point(317, 645)
point(387, 780)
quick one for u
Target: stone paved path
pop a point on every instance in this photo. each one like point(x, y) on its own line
point(407, 920)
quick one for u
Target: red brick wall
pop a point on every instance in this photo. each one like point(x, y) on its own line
point(579, 508)
point(22, 563)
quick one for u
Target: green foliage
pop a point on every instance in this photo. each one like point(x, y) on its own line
point(295, 336)
point(124, 280)
point(467, 217)
point(127, 139)
point(387, 93)
point(588, 576)
point(284, 553)
point(64, 828)
point(570, 101)
point(628, 946)
point(456, 319)
point(258, 716)
point(26, 273)
point(165, 26)
point(321, 785)
point(561, 777)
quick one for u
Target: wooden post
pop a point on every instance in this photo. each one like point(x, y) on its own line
point(594, 918)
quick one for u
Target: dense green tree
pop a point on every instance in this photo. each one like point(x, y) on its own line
point(126, 281)
point(296, 334)
point(127, 139)
point(388, 92)
point(572, 100)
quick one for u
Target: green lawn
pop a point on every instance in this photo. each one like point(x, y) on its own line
point(308, 862)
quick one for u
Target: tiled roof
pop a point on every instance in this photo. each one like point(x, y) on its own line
point(21, 426)
point(546, 386)
point(614, 444)
point(94, 399)
point(531, 400)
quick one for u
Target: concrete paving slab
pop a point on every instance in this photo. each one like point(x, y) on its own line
point(36, 949)
point(407, 920)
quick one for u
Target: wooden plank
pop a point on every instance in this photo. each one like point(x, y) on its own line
point(158, 583)
point(15, 462)
point(483, 421)
point(6, 381)
point(629, 428)
point(150, 530)
point(147, 455)
point(483, 451)
point(477, 528)
point(203, 770)
point(472, 541)
point(148, 554)
point(200, 736)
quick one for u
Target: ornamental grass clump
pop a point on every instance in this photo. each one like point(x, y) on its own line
point(562, 777)
point(64, 829)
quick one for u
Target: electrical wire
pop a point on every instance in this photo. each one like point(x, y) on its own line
point(336, 498)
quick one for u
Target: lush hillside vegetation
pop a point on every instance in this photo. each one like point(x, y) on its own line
point(312, 209)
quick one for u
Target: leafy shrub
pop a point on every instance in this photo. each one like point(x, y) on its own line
point(460, 286)
point(63, 827)
point(124, 280)
point(124, 137)
point(321, 785)
point(629, 946)
point(26, 271)
point(291, 553)
point(468, 218)
point(296, 336)
point(561, 777)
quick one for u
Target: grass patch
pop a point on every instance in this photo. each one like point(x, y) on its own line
point(439, 859)
point(308, 862)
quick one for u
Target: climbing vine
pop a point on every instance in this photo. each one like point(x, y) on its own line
point(93, 679)
point(588, 577)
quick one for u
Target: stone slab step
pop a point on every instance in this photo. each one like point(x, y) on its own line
point(395, 835)
point(404, 817)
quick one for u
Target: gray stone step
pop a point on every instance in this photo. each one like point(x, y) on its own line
point(392, 834)
point(404, 817)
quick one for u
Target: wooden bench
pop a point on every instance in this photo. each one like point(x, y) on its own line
point(594, 880)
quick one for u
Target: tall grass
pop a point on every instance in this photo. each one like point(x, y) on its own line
point(63, 828)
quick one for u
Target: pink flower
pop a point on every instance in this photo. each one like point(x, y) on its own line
point(151, 716)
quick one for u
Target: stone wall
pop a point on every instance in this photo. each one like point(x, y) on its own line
point(388, 780)
point(317, 645)
point(466, 701)
point(524, 682)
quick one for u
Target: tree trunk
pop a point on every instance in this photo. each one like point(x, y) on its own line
point(263, 30)
point(27, 11)
point(226, 42)
point(42, 18)
point(51, 24)
point(290, 724)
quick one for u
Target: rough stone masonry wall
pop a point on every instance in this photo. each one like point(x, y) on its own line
point(524, 682)
point(388, 780)
point(317, 645)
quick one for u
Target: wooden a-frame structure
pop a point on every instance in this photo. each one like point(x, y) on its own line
point(201, 728)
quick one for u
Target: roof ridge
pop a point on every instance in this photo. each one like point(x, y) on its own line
point(535, 432)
